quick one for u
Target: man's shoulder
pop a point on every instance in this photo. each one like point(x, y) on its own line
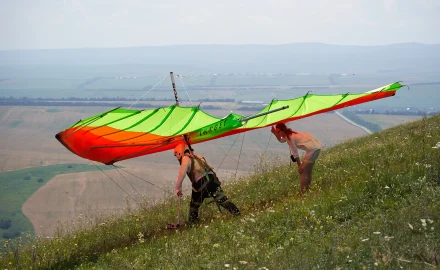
point(186, 159)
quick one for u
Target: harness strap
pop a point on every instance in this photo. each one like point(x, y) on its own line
point(204, 184)
point(208, 171)
point(217, 200)
point(201, 163)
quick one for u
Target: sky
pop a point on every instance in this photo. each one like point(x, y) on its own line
point(56, 24)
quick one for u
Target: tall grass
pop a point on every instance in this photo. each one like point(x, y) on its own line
point(374, 202)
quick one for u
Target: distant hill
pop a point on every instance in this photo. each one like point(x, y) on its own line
point(288, 58)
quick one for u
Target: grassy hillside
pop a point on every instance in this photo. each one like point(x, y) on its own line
point(374, 202)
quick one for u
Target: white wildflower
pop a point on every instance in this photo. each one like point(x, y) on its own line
point(436, 146)
point(365, 239)
point(387, 187)
point(430, 221)
point(216, 245)
point(388, 238)
point(243, 262)
point(141, 237)
point(417, 163)
point(427, 165)
point(376, 232)
point(252, 220)
point(423, 222)
point(227, 265)
point(410, 226)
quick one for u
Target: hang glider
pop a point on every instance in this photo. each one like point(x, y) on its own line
point(121, 134)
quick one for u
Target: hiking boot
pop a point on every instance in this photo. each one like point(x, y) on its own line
point(232, 208)
point(193, 216)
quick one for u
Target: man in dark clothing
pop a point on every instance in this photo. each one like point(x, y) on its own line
point(204, 181)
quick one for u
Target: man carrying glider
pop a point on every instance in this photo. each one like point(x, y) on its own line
point(204, 181)
point(303, 141)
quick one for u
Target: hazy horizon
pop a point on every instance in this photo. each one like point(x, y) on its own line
point(71, 24)
point(232, 45)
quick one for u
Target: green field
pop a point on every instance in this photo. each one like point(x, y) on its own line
point(17, 186)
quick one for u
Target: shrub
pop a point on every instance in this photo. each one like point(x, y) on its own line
point(5, 224)
point(10, 235)
point(27, 178)
point(40, 180)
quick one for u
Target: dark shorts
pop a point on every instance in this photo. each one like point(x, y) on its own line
point(206, 187)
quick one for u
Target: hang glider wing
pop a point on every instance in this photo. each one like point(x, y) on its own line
point(121, 134)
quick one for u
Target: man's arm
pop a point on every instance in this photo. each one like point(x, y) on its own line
point(184, 168)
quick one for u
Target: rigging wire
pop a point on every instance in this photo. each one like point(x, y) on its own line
point(144, 180)
point(127, 180)
point(117, 184)
point(198, 87)
point(267, 145)
point(228, 152)
point(160, 82)
point(180, 78)
point(239, 156)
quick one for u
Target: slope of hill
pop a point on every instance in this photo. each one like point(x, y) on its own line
point(374, 202)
